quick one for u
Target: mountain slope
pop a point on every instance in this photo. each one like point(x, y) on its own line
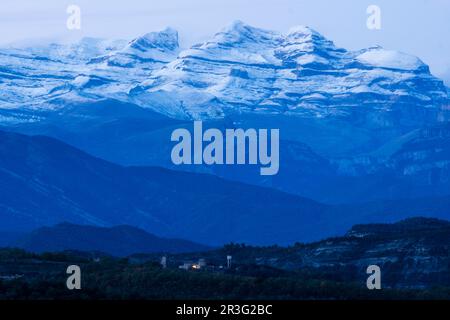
point(118, 241)
point(410, 165)
point(44, 182)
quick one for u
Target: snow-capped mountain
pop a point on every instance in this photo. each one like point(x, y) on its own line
point(54, 76)
point(241, 69)
point(244, 69)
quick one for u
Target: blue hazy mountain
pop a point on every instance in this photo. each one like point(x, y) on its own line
point(44, 182)
point(414, 163)
point(116, 241)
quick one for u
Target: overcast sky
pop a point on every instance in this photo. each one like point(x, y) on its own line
point(419, 27)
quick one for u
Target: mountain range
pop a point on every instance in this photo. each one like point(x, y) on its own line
point(358, 125)
point(365, 135)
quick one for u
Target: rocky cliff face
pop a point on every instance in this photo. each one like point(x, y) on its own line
point(411, 253)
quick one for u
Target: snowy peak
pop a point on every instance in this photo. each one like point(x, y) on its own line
point(309, 38)
point(247, 69)
point(303, 34)
point(154, 47)
point(237, 42)
point(166, 40)
point(238, 32)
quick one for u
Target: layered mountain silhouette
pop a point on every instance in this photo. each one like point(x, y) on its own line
point(44, 182)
